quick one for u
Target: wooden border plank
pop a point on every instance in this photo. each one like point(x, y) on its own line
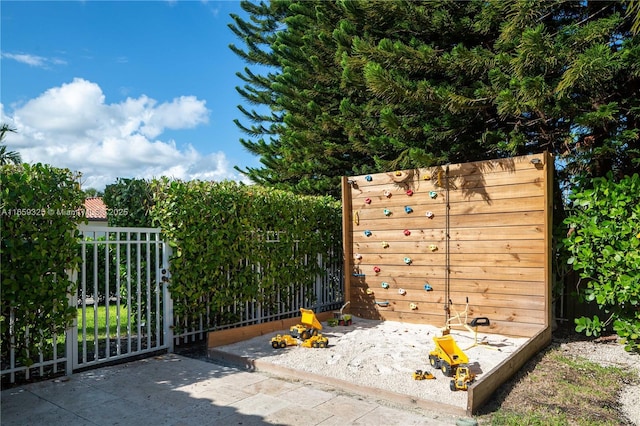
point(238, 334)
point(549, 164)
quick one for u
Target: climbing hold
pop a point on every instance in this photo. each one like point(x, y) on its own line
point(429, 215)
point(407, 232)
point(426, 177)
point(398, 173)
point(368, 178)
point(369, 291)
point(358, 256)
point(409, 192)
point(358, 275)
point(385, 284)
point(387, 212)
point(433, 194)
point(433, 247)
point(413, 306)
point(376, 269)
point(402, 291)
point(367, 200)
point(408, 209)
point(384, 304)
point(356, 218)
point(387, 194)
point(427, 287)
point(407, 260)
point(367, 233)
point(385, 244)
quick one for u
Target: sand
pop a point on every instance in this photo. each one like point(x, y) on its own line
point(383, 355)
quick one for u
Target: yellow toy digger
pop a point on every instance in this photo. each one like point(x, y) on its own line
point(463, 378)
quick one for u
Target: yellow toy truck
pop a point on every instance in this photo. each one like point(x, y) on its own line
point(447, 356)
point(464, 377)
point(309, 325)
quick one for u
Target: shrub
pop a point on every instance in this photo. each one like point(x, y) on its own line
point(224, 240)
point(604, 245)
point(41, 207)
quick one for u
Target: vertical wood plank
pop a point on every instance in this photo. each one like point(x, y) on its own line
point(347, 240)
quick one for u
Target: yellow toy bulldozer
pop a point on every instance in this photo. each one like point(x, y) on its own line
point(422, 375)
point(317, 341)
point(282, 341)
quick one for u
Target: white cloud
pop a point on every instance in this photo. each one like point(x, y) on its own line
point(33, 60)
point(72, 126)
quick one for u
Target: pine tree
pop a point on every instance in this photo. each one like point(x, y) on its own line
point(364, 86)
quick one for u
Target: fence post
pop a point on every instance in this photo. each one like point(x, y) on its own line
point(319, 287)
point(71, 333)
point(166, 295)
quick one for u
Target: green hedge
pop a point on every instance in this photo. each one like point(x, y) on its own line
point(223, 237)
point(604, 246)
point(41, 208)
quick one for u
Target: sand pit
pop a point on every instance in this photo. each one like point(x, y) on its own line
point(382, 355)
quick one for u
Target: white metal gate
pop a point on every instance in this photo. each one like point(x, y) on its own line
point(123, 301)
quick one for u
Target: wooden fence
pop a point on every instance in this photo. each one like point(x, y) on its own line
point(420, 243)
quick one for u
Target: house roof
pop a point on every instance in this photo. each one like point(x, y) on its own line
point(95, 208)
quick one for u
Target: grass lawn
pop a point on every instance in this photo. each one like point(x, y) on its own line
point(560, 388)
point(102, 322)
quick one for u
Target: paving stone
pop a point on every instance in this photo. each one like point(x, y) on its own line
point(300, 415)
point(177, 391)
point(262, 405)
point(347, 408)
point(273, 386)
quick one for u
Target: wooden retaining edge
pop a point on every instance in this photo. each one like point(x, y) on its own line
point(234, 335)
point(480, 391)
point(298, 375)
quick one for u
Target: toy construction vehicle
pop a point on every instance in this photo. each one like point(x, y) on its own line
point(282, 341)
point(340, 318)
point(309, 326)
point(317, 341)
point(422, 375)
point(462, 320)
point(447, 356)
point(307, 331)
point(463, 378)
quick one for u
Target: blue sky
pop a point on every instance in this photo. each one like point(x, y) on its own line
point(122, 88)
